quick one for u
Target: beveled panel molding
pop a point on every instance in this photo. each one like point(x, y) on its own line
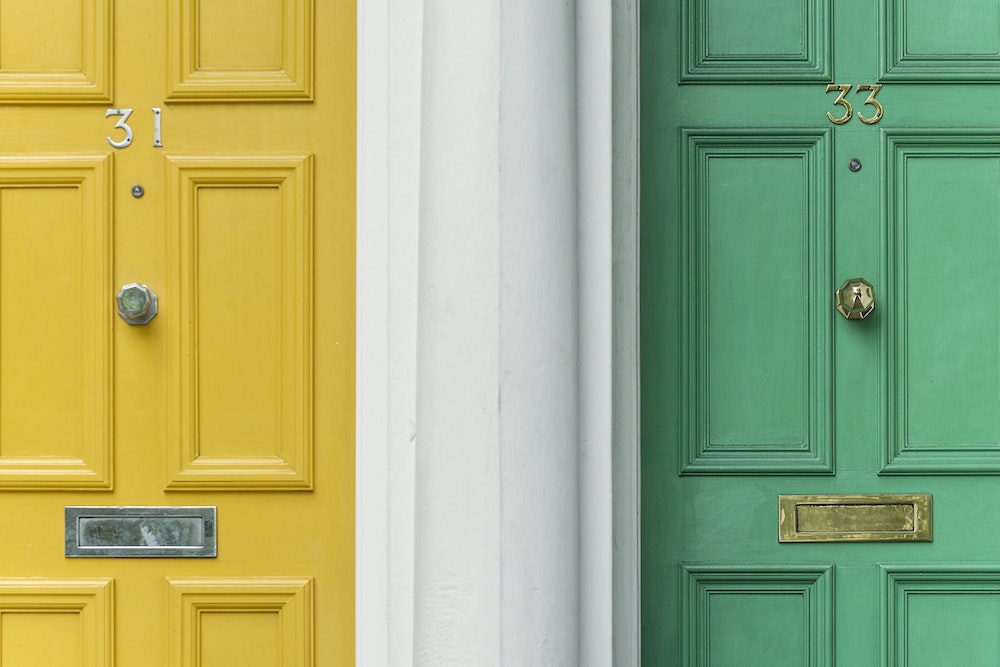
point(935, 55)
point(192, 75)
point(238, 458)
point(286, 602)
point(907, 589)
point(798, 439)
point(807, 588)
point(808, 56)
point(948, 298)
point(87, 604)
point(71, 446)
point(30, 75)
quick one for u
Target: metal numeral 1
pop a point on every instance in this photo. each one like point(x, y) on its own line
point(156, 128)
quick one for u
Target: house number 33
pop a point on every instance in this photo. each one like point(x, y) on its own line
point(123, 125)
point(841, 100)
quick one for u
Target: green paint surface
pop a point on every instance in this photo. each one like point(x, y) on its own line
point(757, 626)
point(752, 386)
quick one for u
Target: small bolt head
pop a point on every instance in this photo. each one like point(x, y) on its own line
point(854, 164)
point(137, 191)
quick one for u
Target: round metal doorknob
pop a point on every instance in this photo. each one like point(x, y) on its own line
point(855, 299)
point(136, 303)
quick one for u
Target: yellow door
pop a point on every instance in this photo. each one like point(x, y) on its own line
point(228, 190)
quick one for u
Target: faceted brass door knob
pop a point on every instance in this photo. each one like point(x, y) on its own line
point(136, 303)
point(855, 299)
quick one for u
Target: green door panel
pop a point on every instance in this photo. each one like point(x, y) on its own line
point(763, 284)
point(753, 386)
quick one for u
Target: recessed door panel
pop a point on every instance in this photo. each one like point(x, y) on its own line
point(937, 41)
point(57, 52)
point(734, 178)
point(55, 328)
point(241, 266)
point(944, 240)
point(778, 40)
point(259, 49)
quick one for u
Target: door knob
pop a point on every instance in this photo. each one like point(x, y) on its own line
point(136, 303)
point(855, 299)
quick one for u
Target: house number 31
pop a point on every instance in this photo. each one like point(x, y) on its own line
point(123, 125)
point(841, 100)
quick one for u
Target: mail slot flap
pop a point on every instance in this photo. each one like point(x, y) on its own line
point(141, 532)
point(855, 518)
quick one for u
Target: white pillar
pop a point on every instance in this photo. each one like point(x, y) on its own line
point(484, 532)
point(496, 557)
point(388, 88)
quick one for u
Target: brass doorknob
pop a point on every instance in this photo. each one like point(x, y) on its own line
point(855, 299)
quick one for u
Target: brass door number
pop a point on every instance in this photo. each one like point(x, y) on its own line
point(841, 100)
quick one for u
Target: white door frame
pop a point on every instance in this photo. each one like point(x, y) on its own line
point(390, 45)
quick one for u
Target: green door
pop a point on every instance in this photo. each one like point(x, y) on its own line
point(756, 206)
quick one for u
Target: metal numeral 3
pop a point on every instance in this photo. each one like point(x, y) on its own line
point(841, 100)
point(121, 125)
point(874, 88)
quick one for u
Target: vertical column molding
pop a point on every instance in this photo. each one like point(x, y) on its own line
point(390, 36)
point(539, 337)
point(624, 442)
point(452, 148)
point(594, 197)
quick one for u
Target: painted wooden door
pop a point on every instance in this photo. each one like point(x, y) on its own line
point(757, 203)
point(204, 149)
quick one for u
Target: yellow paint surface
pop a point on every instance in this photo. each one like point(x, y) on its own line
point(240, 392)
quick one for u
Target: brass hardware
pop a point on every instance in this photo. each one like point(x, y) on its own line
point(841, 100)
point(855, 518)
point(874, 87)
point(844, 88)
point(855, 299)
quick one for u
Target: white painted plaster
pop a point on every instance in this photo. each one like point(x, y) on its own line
point(457, 539)
point(538, 345)
point(625, 334)
point(371, 408)
point(389, 39)
point(497, 452)
point(594, 142)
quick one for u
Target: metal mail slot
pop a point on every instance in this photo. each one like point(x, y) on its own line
point(141, 532)
point(855, 518)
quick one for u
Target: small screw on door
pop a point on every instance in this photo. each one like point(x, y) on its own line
point(854, 164)
point(137, 191)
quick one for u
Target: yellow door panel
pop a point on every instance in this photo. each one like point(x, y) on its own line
point(239, 265)
point(56, 622)
point(234, 203)
point(55, 330)
point(244, 622)
point(262, 51)
point(56, 51)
